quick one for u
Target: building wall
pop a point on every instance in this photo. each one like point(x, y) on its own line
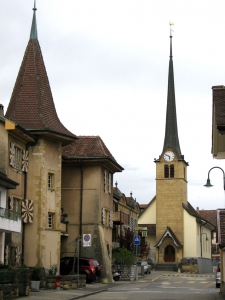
point(42, 244)
point(149, 215)
point(94, 199)
point(171, 193)
point(3, 148)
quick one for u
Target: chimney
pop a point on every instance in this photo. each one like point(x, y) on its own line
point(197, 210)
point(1, 110)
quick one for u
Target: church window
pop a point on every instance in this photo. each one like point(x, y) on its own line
point(166, 171)
point(172, 171)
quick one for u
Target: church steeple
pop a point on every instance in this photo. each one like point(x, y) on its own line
point(171, 133)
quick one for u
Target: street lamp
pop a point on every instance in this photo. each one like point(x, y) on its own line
point(201, 240)
point(208, 183)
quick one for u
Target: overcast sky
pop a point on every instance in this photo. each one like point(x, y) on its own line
point(107, 63)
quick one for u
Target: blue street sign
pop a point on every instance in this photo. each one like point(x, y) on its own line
point(137, 240)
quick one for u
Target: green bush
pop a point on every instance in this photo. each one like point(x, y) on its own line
point(123, 257)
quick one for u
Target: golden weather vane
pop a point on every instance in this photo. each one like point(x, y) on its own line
point(171, 30)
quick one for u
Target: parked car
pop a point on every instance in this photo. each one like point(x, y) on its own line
point(217, 279)
point(147, 267)
point(87, 266)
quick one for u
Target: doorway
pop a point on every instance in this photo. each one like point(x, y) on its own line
point(169, 254)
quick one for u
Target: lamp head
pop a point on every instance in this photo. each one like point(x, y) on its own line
point(208, 184)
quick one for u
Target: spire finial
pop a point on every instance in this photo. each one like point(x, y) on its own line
point(171, 35)
point(34, 6)
point(171, 30)
point(33, 32)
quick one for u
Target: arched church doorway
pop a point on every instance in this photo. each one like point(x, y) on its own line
point(169, 254)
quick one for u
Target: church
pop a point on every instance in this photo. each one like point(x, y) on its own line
point(175, 230)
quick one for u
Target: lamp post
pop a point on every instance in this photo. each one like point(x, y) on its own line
point(208, 183)
point(201, 240)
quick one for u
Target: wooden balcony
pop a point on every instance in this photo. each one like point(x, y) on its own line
point(120, 217)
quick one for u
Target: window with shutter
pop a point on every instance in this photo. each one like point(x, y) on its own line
point(24, 160)
point(110, 183)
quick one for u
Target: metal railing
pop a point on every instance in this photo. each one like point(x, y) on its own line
point(9, 214)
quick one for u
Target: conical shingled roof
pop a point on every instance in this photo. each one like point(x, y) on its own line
point(31, 104)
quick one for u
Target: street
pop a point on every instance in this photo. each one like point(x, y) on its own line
point(154, 286)
point(158, 285)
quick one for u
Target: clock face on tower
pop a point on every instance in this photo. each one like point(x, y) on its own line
point(169, 156)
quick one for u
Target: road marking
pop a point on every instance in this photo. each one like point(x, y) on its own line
point(191, 282)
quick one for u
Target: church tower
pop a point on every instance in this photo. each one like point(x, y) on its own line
point(171, 184)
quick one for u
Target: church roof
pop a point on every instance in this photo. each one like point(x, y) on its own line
point(89, 148)
point(189, 208)
point(209, 215)
point(171, 139)
point(31, 104)
point(171, 234)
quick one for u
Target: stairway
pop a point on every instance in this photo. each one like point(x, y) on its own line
point(166, 266)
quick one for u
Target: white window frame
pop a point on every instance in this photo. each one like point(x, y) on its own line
point(51, 181)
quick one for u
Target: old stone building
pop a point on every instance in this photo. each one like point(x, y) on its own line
point(61, 184)
point(87, 197)
point(125, 219)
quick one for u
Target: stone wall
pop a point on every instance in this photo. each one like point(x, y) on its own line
point(189, 266)
point(9, 291)
point(67, 282)
point(17, 283)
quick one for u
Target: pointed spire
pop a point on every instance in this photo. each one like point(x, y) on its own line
point(171, 133)
point(31, 104)
point(33, 32)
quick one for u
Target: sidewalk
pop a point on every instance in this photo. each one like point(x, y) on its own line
point(95, 288)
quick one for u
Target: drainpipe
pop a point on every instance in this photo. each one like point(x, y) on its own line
point(81, 197)
point(25, 196)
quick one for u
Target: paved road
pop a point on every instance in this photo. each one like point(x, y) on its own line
point(164, 287)
point(158, 285)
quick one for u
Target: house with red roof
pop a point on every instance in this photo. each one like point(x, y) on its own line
point(62, 184)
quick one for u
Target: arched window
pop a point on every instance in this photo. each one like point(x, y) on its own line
point(166, 171)
point(172, 171)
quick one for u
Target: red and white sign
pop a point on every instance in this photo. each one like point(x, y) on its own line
point(87, 240)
